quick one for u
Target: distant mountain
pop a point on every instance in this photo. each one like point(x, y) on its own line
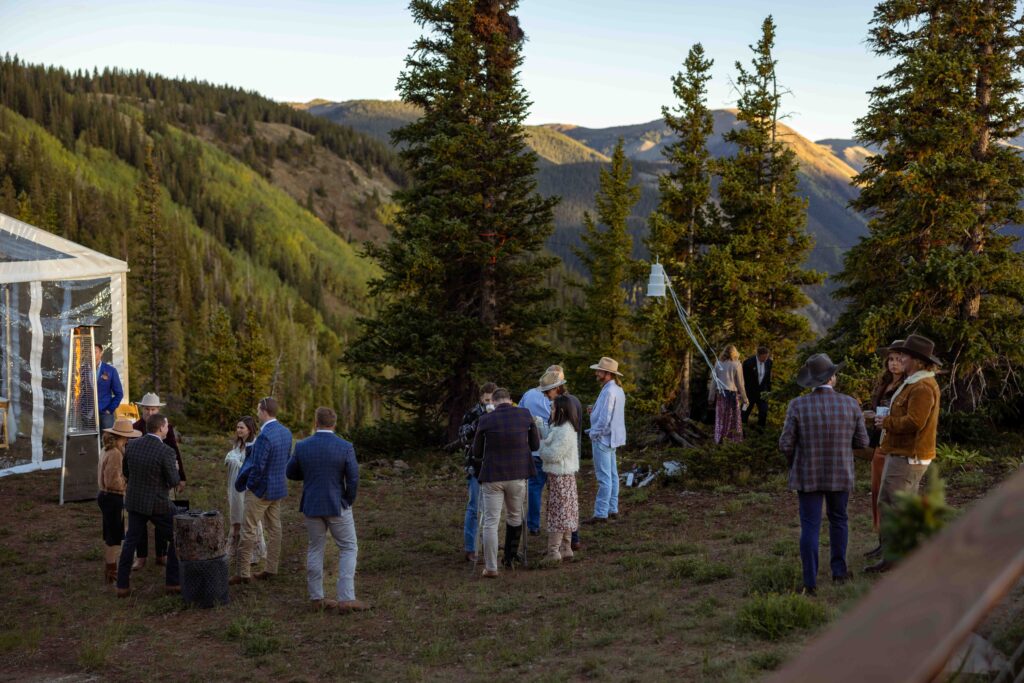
point(572, 157)
point(854, 153)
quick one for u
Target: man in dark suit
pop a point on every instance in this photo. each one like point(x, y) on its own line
point(504, 441)
point(150, 405)
point(262, 477)
point(757, 377)
point(150, 468)
point(821, 430)
point(326, 465)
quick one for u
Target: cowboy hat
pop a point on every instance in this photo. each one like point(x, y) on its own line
point(151, 400)
point(123, 427)
point(607, 364)
point(818, 370)
point(884, 351)
point(918, 346)
point(550, 380)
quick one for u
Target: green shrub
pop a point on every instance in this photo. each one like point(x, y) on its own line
point(772, 575)
point(915, 518)
point(772, 615)
point(729, 464)
point(700, 570)
point(395, 439)
point(766, 661)
point(953, 458)
point(255, 635)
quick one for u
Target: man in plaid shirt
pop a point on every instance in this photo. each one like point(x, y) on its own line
point(821, 430)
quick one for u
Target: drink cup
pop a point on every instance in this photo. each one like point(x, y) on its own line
point(881, 411)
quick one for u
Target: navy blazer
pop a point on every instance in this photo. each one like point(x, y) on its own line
point(326, 465)
point(263, 471)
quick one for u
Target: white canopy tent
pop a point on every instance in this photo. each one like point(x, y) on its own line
point(48, 286)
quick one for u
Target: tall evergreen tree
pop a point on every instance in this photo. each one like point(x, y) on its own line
point(254, 365)
point(153, 291)
point(939, 194)
point(685, 222)
point(215, 382)
point(462, 286)
point(760, 265)
point(602, 325)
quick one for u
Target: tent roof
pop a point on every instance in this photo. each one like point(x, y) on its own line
point(30, 254)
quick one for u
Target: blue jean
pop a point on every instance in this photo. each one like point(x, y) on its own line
point(535, 488)
point(606, 470)
point(472, 523)
point(810, 527)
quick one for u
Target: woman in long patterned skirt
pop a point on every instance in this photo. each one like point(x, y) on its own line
point(560, 453)
point(729, 395)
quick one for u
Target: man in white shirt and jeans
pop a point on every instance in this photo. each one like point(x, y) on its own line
point(607, 432)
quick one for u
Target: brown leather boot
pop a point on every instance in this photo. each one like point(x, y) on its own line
point(110, 574)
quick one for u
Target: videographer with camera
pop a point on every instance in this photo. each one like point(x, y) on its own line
point(466, 433)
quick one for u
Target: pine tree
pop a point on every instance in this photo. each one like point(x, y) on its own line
point(215, 382)
point(935, 260)
point(602, 325)
point(462, 284)
point(684, 224)
point(152, 291)
point(760, 265)
point(255, 364)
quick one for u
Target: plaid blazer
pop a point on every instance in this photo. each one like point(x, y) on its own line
point(822, 428)
point(150, 468)
point(506, 439)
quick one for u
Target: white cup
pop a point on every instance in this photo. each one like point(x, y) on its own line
point(881, 411)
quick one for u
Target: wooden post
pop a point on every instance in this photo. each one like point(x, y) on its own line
point(198, 535)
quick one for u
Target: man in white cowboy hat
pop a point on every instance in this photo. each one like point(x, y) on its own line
point(607, 432)
point(538, 401)
point(150, 405)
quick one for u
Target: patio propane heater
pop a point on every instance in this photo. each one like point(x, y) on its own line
point(81, 419)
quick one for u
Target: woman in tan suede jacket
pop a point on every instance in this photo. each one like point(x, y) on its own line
point(909, 430)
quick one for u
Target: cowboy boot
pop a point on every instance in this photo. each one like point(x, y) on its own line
point(553, 556)
point(110, 573)
point(512, 536)
point(565, 550)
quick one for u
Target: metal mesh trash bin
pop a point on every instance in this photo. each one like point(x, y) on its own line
point(199, 543)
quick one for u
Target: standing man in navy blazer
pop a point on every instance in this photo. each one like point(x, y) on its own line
point(326, 464)
point(262, 477)
point(108, 389)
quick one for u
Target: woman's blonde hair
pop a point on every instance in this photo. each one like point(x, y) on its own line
point(730, 353)
point(114, 441)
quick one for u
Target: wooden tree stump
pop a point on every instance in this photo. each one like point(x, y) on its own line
point(199, 535)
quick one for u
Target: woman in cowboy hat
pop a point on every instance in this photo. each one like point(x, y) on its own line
point(881, 396)
point(111, 482)
point(909, 430)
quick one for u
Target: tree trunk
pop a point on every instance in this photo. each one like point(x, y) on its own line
point(198, 535)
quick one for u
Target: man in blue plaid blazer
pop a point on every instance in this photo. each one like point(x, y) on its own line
point(822, 428)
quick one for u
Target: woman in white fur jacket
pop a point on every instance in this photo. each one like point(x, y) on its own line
point(559, 451)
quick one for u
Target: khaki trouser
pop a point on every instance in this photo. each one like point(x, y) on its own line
point(496, 493)
point(897, 475)
point(269, 512)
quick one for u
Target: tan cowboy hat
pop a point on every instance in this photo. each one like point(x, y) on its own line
point(818, 369)
point(551, 379)
point(123, 427)
point(607, 365)
point(150, 400)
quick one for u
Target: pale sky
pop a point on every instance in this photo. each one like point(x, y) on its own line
point(593, 63)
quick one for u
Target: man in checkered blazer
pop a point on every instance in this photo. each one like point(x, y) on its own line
point(822, 428)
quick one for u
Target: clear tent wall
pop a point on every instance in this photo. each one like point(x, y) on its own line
point(48, 287)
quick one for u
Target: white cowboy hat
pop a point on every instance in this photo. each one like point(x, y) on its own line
point(150, 400)
point(607, 365)
point(551, 379)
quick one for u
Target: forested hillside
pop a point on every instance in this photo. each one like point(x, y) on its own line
point(257, 204)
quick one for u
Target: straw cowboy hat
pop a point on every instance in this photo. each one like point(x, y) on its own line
point(123, 427)
point(818, 369)
point(921, 347)
point(551, 379)
point(151, 400)
point(607, 365)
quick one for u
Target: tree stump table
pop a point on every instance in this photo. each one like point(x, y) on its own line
point(199, 544)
